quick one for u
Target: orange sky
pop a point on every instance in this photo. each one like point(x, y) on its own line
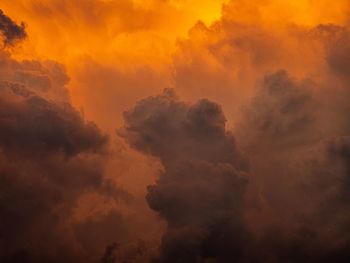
point(138, 39)
point(119, 51)
point(120, 33)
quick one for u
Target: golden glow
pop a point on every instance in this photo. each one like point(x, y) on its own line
point(117, 52)
point(280, 12)
point(117, 32)
point(134, 36)
point(128, 32)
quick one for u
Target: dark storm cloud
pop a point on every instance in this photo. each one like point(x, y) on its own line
point(170, 129)
point(49, 157)
point(295, 130)
point(200, 192)
point(10, 31)
point(33, 125)
point(301, 173)
point(299, 178)
point(301, 167)
point(326, 188)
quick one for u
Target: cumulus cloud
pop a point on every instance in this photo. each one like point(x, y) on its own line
point(275, 191)
point(51, 158)
point(200, 192)
point(287, 117)
point(32, 125)
point(293, 206)
point(293, 128)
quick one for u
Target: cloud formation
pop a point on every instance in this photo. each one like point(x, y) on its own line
point(50, 156)
point(200, 192)
point(51, 159)
point(268, 181)
point(291, 81)
point(212, 211)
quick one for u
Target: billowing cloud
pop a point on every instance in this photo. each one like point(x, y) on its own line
point(275, 189)
point(50, 156)
point(212, 211)
point(31, 124)
point(202, 198)
point(51, 159)
point(200, 192)
point(53, 162)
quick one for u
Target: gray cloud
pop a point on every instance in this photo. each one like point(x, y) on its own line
point(51, 157)
point(200, 192)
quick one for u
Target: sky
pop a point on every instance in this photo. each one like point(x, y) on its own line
point(174, 131)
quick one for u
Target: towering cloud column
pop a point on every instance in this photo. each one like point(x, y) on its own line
point(200, 191)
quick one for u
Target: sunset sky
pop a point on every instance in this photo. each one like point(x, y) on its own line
point(174, 131)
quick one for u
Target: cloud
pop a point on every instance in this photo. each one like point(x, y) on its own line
point(10, 31)
point(281, 112)
point(51, 158)
point(53, 162)
point(275, 191)
point(293, 205)
point(33, 125)
point(157, 124)
point(46, 78)
point(200, 192)
point(295, 209)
